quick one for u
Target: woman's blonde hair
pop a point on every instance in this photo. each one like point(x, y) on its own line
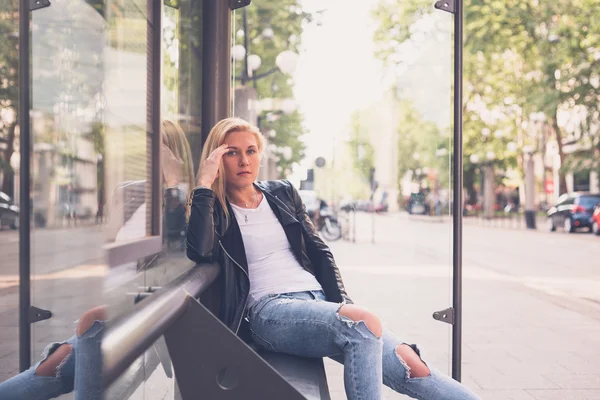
point(216, 138)
point(174, 138)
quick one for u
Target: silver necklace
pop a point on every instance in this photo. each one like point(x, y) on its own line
point(253, 206)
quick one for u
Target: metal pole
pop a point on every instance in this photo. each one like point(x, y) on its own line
point(24, 189)
point(354, 226)
point(154, 65)
point(216, 64)
point(458, 194)
point(246, 44)
point(373, 225)
point(530, 192)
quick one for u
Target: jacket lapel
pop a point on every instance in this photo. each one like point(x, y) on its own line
point(281, 210)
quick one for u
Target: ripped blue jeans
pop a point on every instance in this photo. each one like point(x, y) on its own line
point(80, 370)
point(304, 324)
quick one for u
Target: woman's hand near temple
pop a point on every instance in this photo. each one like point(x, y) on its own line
point(209, 170)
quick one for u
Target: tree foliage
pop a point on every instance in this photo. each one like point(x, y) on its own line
point(521, 58)
point(286, 20)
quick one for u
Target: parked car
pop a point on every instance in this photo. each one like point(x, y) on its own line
point(596, 220)
point(9, 213)
point(573, 211)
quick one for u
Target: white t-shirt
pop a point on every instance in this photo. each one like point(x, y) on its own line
point(272, 266)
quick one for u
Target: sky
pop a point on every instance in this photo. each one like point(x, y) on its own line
point(336, 73)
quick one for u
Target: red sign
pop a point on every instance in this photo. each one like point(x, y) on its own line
point(549, 186)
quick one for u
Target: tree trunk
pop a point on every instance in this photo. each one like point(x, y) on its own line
point(8, 183)
point(562, 184)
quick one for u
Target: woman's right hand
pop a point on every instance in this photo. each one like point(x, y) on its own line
point(209, 170)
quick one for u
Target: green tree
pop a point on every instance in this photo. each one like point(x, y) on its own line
point(521, 57)
point(361, 149)
point(420, 145)
point(557, 43)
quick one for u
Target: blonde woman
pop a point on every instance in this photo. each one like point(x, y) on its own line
point(280, 286)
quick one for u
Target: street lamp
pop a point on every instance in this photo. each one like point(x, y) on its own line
point(529, 187)
point(285, 62)
point(254, 62)
point(268, 33)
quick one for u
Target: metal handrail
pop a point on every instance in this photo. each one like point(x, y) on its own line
point(131, 335)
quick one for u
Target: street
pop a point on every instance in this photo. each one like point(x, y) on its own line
point(531, 300)
point(531, 303)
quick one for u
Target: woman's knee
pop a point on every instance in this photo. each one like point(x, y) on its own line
point(88, 318)
point(358, 314)
point(49, 366)
point(416, 367)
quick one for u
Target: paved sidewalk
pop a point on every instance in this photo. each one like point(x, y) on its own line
point(519, 343)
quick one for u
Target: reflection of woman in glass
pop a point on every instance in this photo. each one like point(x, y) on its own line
point(279, 283)
point(178, 177)
point(76, 362)
point(178, 173)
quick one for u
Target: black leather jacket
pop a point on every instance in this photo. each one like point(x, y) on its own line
point(209, 240)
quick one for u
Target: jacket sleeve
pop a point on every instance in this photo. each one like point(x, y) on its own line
point(328, 269)
point(201, 240)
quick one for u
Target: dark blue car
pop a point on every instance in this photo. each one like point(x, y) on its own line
point(573, 211)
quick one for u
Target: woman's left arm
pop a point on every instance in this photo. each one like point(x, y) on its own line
point(329, 271)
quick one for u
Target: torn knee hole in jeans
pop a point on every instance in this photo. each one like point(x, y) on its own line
point(46, 355)
point(414, 365)
point(352, 323)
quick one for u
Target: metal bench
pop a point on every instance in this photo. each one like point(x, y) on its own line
point(209, 360)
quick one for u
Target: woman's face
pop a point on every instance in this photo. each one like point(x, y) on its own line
point(241, 162)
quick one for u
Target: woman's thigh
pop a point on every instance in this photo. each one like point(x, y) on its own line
point(299, 323)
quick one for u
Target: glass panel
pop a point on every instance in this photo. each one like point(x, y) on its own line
point(67, 125)
point(128, 145)
point(9, 187)
point(355, 103)
point(180, 150)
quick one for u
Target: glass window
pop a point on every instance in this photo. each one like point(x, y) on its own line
point(9, 184)
point(181, 136)
point(180, 149)
point(589, 201)
point(67, 134)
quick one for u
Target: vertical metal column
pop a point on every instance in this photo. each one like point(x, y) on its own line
point(457, 207)
point(24, 188)
point(154, 79)
point(216, 64)
point(453, 315)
